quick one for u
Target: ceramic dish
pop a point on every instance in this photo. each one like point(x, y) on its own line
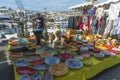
point(74, 63)
point(32, 58)
point(65, 56)
point(25, 77)
point(48, 75)
point(96, 50)
point(58, 69)
point(99, 56)
point(78, 57)
point(87, 63)
point(41, 67)
point(15, 54)
point(22, 41)
point(21, 63)
point(52, 60)
point(38, 62)
point(85, 55)
point(25, 70)
point(46, 54)
point(37, 76)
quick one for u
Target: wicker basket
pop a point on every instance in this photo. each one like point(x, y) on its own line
point(58, 69)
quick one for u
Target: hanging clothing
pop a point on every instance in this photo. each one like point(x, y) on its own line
point(94, 24)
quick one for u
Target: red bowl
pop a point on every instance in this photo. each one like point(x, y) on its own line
point(38, 62)
point(65, 56)
point(15, 54)
point(96, 50)
point(25, 70)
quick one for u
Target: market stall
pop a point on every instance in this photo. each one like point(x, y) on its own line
point(79, 58)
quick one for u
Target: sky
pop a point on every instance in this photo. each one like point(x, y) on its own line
point(40, 5)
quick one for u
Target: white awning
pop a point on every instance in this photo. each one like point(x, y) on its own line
point(81, 5)
point(106, 2)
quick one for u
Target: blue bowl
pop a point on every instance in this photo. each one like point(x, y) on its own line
point(21, 63)
point(74, 63)
point(52, 60)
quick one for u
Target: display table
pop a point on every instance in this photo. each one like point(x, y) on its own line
point(86, 72)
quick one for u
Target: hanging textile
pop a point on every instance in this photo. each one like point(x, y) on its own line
point(114, 11)
point(100, 12)
point(116, 27)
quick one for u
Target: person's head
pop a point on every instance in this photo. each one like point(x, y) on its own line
point(38, 15)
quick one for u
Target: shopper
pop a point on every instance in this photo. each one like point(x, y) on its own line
point(38, 26)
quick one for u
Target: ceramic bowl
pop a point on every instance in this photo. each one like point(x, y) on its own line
point(25, 77)
point(99, 56)
point(21, 63)
point(78, 57)
point(16, 54)
point(58, 69)
point(52, 60)
point(74, 63)
point(41, 67)
point(38, 62)
point(25, 70)
point(65, 56)
point(48, 75)
point(37, 76)
point(32, 58)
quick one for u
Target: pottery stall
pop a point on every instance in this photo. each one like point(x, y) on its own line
point(77, 57)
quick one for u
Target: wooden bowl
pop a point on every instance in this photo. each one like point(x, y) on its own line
point(58, 69)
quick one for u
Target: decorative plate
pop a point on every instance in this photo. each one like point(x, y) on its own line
point(25, 70)
point(21, 63)
point(78, 57)
point(25, 77)
point(37, 76)
point(85, 55)
point(65, 56)
point(32, 58)
point(96, 50)
point(74, 63)
point(23, 40)
point(87, 63)
point(46, 54)
point(15, 54)
point(41, 67)
point(99, 56)
point(38, 62)
point(48, 75)
point(52, 60)
point(58, 69)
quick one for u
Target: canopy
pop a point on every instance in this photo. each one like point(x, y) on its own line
point(81, 5)
point(106, 2)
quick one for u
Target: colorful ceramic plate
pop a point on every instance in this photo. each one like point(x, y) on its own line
point(96, 50)
point(25, 77)
point(21, 63)
point(32, 58)
point(37, 76)
point(65, 56)
point(23, 40)
point(52, 60)
point(58, 69)
point(99, 56)
point(38, 62)
point(46, 54)
point(87, 63)
point(86, 55)
point(25, 70)
point(41, 67)
point(78, 57)
point(48, 75)
point(74, 63)
point(17, 54)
